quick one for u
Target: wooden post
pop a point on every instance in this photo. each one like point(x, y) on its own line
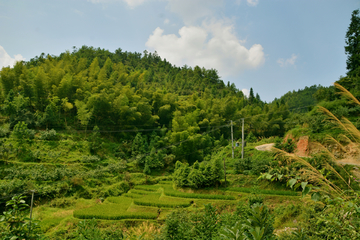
point(232, 139)
point(225, 172)
point(31, 207)
point(242, 142)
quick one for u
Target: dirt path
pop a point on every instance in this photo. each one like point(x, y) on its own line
point(265, 147)
point(349, 161)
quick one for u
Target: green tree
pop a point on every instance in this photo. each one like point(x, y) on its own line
point(40, 88)
point(83, 113)
point(251, 96)
point(14, 224)
point(352, 48)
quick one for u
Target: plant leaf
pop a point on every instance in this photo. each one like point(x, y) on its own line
point(292, 182)
point(303, 185)
point(316, 196)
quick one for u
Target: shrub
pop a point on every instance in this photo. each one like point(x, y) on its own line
point(260, 165)
point(255, 199)
point(199, 175)
point(242, 164)
point(284, 214)
point(48, 135)
point(178, 225)
point(90, 159)
point(14, 224)
point(5, 130)
point(117, 189)
point(21, 131)
point(289, 146)
point(62, 202)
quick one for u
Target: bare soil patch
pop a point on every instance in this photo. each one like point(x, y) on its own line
point(265, 147)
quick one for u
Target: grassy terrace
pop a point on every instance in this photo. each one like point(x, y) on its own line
point(143, 201)
point(151, 196)
point(264, 191)
point(114, 209)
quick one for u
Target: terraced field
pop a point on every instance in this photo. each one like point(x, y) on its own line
point(152, 197)
point(144, 202)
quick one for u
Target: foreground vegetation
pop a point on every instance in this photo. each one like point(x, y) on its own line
point(127, 146)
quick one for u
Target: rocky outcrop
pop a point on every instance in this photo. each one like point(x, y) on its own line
point(302, 147)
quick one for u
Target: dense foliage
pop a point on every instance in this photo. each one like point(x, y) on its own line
point(91, 125)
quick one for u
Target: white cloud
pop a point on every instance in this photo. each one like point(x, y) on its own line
point(80, 13)
point(212, 45)
point(246, 92)
point(6, 60)
point(252, 2)
point(287, 62)
point(192, 10)
point(166, 21)
point(131, 3)
point(134, 3)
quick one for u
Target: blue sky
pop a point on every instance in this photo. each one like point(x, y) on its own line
point(273, 46)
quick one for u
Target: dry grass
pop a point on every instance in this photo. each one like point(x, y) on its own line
point(313, 175)
point(147, 228)
point(347, 143)
point(63, 214)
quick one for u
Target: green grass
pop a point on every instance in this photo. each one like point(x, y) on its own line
point(149, 188)
point(263, 191)
point(140, 192)
point(169, 191)
point(155, 200)
point(133, 195)
point(111, 212)
point(198, 195)
point(115, 210)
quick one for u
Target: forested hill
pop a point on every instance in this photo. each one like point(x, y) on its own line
point(142, 71)
point(133, 97)
point(301, 100)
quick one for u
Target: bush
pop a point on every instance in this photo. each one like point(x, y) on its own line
point(48, 135)
point(117, 189)
point(199, 175)
point(14, 223)
point(255, 199)
point(90, 159)
point(62, 202)
point(21, 131)
point(260, 166)
point(289, 146)
point(5, 130)
point(242, 164)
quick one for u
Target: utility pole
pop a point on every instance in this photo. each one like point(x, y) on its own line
point(31, 207)
point(242, 142)
point(232, 139)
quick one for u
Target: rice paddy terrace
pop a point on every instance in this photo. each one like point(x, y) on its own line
point(155, 201)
